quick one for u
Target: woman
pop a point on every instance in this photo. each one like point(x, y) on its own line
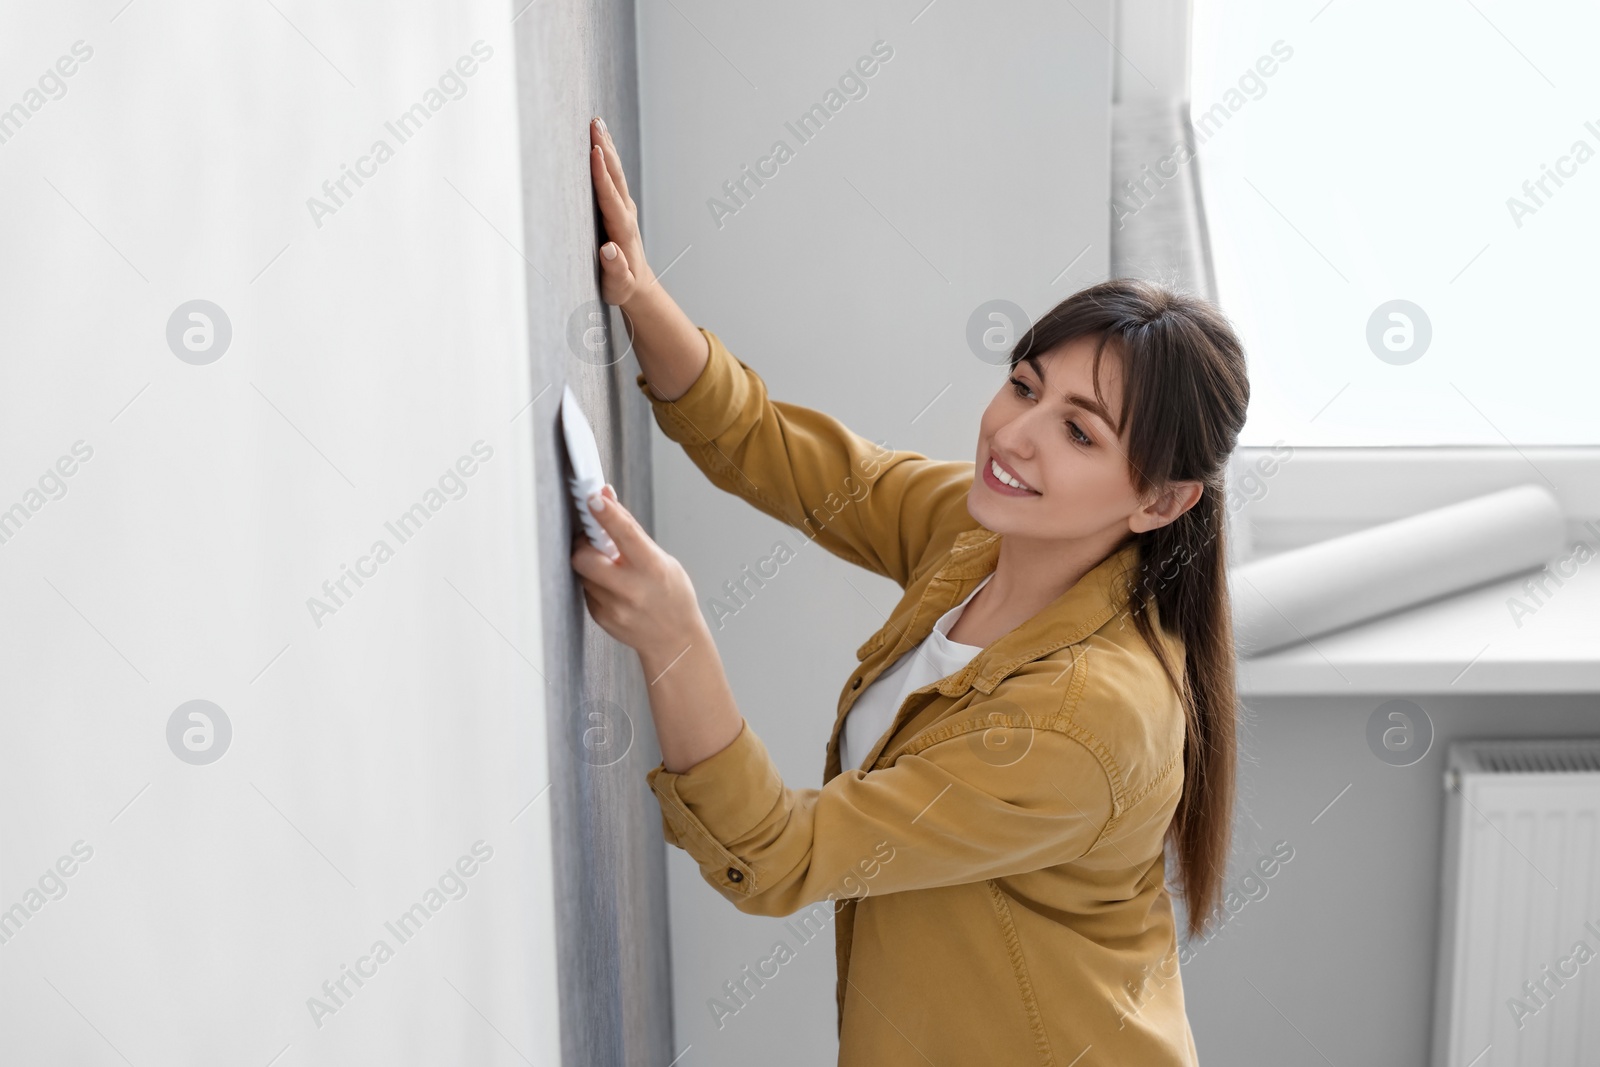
point(1049, 705)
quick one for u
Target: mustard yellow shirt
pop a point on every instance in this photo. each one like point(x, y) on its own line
point(996, 880)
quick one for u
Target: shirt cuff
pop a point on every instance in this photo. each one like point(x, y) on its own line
point(711, 404)
point(709, 807)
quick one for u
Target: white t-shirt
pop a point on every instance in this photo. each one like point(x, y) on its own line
point(874, 710)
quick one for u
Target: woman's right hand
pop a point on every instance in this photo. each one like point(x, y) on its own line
point(671, 349)
point(624, 274)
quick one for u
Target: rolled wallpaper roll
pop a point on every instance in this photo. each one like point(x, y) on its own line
point(1308, 591)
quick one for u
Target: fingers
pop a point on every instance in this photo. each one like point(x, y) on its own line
point(605, 189)
point(599, 571)
point(618, 283)
point(594, 568)
point(618, 224)
point(611, 184)
point(622, 258)
point(612, 159)
point(625, 531)
point(613, 261)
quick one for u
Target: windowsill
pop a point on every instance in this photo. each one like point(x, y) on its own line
point(1468, 642)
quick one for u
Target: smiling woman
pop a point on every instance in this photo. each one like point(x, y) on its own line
point(1056, 761)
point(1025, 751)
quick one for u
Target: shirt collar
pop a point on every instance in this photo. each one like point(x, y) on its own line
point(1094, 600)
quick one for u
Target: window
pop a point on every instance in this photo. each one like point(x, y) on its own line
point(1403, 204)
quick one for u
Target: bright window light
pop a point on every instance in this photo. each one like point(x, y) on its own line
point(1404, 202)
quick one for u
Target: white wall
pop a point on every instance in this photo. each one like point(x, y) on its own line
point(367, 355)
point(975, 168)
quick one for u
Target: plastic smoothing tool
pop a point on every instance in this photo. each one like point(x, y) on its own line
point(587, 477)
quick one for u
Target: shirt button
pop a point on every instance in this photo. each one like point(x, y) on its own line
point(735, 875)
point(856, 684)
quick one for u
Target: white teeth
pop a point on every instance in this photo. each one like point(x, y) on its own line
point(1006, 478)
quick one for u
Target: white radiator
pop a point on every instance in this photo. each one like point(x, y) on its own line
point(1518, 981)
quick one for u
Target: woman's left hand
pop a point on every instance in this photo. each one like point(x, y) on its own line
point(643, 597)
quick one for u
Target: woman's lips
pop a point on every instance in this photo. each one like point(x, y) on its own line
point(1001, 487)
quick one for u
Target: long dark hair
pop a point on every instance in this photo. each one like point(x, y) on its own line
point(1184, 387)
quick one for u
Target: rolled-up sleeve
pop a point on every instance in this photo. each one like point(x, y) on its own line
point(953, 812)
point(864, 502)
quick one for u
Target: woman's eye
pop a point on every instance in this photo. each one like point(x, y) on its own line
point(1019, 386)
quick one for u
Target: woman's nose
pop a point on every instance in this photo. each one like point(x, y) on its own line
point(1016, 437)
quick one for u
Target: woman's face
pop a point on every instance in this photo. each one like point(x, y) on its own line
point(1045, 429)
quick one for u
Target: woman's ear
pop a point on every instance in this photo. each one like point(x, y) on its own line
point(1171, 502)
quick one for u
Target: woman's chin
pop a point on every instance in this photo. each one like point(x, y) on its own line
point(989, 512)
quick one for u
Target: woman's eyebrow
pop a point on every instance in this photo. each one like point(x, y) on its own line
point(1088, 404)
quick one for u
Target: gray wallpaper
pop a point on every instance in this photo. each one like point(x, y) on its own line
point(575, 61)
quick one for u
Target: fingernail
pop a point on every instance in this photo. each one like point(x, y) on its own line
point(597, 502)
point(608, 250)
point(600, 122)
